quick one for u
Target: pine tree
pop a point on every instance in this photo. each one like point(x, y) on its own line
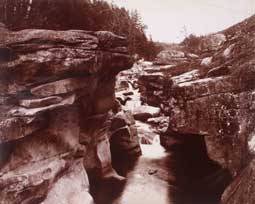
point(79, 14)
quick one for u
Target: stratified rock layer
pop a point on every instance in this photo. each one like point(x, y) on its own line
point(57, 88)
point(216, 101)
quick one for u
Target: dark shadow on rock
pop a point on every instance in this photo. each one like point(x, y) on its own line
point(192, 177)
point(107, 191)
point(5, 151)
point(198, 180)
point(124, 164)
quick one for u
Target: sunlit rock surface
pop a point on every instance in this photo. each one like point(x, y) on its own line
point(57, 88)
point(216, 102)
point(170, 57)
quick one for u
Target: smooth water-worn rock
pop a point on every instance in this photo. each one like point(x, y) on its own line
point(77, 181)
point(124, 136)
point(144, 112)
point(169, 57)
point(57, 88)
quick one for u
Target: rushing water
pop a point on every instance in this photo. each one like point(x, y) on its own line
point(181, 175)
point(164, 177)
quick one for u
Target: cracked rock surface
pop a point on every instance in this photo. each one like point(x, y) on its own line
point(57, 88)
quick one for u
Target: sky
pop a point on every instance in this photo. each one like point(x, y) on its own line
point(172, 20)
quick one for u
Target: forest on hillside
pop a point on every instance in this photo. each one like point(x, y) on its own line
point(91, 15)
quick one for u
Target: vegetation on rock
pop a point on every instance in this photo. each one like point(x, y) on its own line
point(91, 15)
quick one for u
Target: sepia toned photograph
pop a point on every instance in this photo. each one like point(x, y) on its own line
point(127, 102)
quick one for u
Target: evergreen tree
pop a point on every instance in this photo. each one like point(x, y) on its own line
point(79, 14)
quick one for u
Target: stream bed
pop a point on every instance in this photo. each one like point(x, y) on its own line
point(180, 175)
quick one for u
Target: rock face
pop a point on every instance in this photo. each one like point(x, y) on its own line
point(169, 56)
point(124, 136)
point(222, 111)
point(152, 87)
point(143, 113)
point(212, 42)
point(217, 103)
point(57, 88)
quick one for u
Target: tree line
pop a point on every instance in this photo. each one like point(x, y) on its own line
point(91, 15)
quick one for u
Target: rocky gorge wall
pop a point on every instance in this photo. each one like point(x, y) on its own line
point(213, 98)
point(57, 95)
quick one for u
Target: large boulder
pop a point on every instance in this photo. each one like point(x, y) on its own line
point(212, 42)
point(166, 57)
point(144, 112)
point(124, 136)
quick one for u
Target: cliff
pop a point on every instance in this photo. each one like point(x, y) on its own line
point(210, 95)
point(57, 95)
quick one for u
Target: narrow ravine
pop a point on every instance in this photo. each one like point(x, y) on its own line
point(148, 179)
point(93, 111)
point(181, 175)
point(148, 182)
point(164, 177)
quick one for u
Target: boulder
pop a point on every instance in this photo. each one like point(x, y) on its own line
point(122, 119)
point(160, 124)
point(206, 61)
point(166, 57)
point(188, 76)
point(192, 55)
point(228, 51)
point(212, 42)
point(124, 136)
point(144, 112)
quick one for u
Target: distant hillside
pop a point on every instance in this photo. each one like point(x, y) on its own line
point(222, 52)
point(194, 43)
point(91, 15)
point(248, 25)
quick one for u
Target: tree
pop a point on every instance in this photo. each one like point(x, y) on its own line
point(79, 14)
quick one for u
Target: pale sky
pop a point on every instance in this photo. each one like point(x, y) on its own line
point(166, 19)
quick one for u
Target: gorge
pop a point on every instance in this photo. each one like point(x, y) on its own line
point(82, 122)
